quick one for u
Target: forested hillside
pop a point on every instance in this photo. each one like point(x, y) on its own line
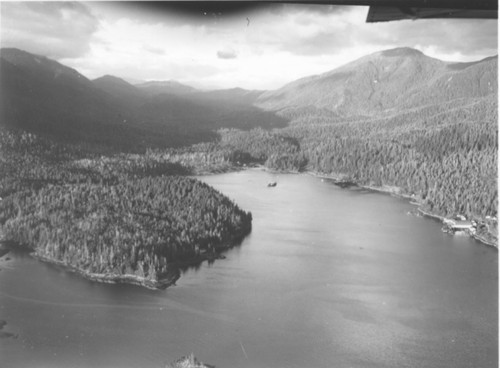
point(445, 156)
point(111, 220)
point(397, 118)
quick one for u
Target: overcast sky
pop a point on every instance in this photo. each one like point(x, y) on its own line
point(225, 46)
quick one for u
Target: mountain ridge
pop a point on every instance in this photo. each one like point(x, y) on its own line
point(169, 86)
point(45, 97)
point(391, 79)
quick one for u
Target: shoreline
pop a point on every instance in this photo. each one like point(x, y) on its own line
point(395, 192)
point(172, 276)
point(113, 278)
point(473, 236)
point(176, 268)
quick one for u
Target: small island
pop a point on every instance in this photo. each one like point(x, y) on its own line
point(189, 361)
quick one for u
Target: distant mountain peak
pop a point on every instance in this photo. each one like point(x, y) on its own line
point(166, 86)
point(111, 79)
point(401, 52)
point(170, 82)
point(386, 81)
point(120, 89)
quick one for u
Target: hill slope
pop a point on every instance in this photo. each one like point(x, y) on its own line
point(399, 121)
point(389, 80)
point(42, 96)
point(120, 89)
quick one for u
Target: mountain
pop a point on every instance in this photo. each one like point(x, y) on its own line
point(119, 88)
point(398, 121)
point(396, 79)
point(171, 87)
point(42, 96)
point(210, 110)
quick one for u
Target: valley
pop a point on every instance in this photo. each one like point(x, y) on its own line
point(248, 184)
point(96, 173)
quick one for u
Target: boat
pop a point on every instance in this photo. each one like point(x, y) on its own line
point(272, 184)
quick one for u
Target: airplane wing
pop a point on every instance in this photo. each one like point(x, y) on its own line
point(390, 10)
point(479, 10)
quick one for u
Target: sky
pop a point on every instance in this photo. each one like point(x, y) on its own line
point(212, 46)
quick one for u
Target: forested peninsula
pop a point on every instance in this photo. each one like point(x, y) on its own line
point(114, 223)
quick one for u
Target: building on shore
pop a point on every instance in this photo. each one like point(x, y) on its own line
point(454, 226)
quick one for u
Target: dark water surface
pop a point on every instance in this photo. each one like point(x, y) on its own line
point(329, 277)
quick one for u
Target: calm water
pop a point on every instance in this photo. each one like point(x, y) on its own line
point(329, 277)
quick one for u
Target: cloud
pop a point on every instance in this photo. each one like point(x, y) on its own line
point(132, 49)
point(306, 30)
point(227, 53)
point(154, 50)
point(54, 29)
point(321, 31)
point(282, 42)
